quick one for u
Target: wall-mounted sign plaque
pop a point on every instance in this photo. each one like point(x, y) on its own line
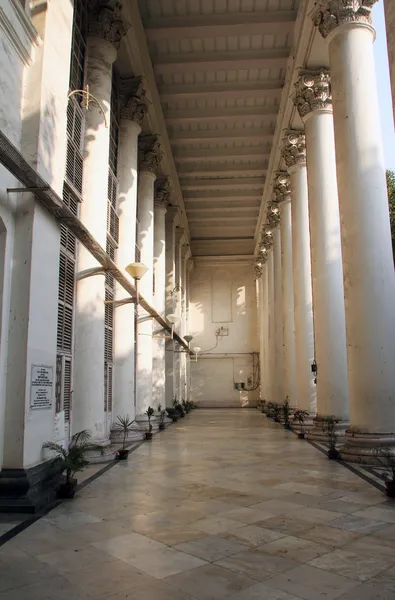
point(41, 387)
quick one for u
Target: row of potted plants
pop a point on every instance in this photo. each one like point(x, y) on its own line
point(73, 459)
point(295, 419)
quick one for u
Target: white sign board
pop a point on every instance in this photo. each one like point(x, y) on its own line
point(41, 387)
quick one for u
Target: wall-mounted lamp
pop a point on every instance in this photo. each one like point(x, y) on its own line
point(178, 288)
point(136, 270)
point(196, 351)
point(173, 319)
point(188, 339)
point(87, 99)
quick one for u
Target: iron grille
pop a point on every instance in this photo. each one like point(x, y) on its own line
point(114, 124)
point(112, 213)
point(63, 385)
point(74, 159)
point(108, 386)
point(109, 327)
point(65, 303)
point(78, 45)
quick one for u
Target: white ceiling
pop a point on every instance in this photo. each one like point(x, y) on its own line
point(219, 67)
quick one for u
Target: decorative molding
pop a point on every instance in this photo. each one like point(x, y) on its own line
point(150, 153)
point(294, 149)
point(105, 21)
point(313, 92)
point(25, 22)
point(11, 34)
point(134, 104)
point(273, 216)
point(266, 238)
point(161, 193)
point(282, 187)
point(332, 13)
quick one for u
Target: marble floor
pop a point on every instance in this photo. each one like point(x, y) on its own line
point(223, 505)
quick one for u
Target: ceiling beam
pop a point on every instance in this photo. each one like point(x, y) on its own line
point(222, 219)
point(254, 182)
point(224, 24)
point(221, 195)
point(248, 133)
point(222, 114)
point(246, 89)
point(240, 170)
point(220, 61)
point(211, 209)
point(208, 154)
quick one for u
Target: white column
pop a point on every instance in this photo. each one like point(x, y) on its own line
point(265, 327)
point(294, 155)
point(389, 6)
point(159, 352)
point(132, 114)
point(278, 374)
point(88, 393)
point(149, 157)
point(261, 332)
point(179, 235)
point(367, 252)
point(271, 346)
point(283, 197)
point(172, 212)
point(314, 103)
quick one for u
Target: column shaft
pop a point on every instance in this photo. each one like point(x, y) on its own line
point(367, 252)
point(271, 345)
point(303, 301)
point(88, 397)
point(326, 268)
point(159, 360)
point(279, 391)
point(170, 301)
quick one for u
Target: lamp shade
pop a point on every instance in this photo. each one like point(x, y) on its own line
point(188, 338)
point(172, 318)
point(196, 349)
point(136, 270)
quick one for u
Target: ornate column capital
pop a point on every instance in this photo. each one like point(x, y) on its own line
point(282, 187)
point(161, 193)
point(105, 21)
point(150, 153)
point(266, 238)
point(313, 92)
point(260, 261)
point(273, 216)
point(294, 149)
point(133, 100)
point(332, 13)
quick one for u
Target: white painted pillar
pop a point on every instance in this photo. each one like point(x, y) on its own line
point(294, 155)
point(314, 102)
point(367, 252)
point(265, 328)
point(88, 393)
point(179, 235)
point(149, 157)
point(261, 332)
point(159, 356)
point(271, 346)
point(278, 319)
point(132, 114)
point(172, 212)
point(389, 6)
point(283, 198)
point(185, 252)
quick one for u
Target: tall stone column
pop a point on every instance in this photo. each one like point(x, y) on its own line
point(172, 212)
point(258, 270)
point(294, 155)
point(369, 278)
point(177, 292)
point(389, 6)
point(105, 30)
point(149, 158)
point(185, 253)
point(159, 360)
point(282, 195)
point(132, 114)
point(270, 367)
point(314, 102)
point(265, 326)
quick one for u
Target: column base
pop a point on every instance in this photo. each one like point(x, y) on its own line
point(362, 447)
point(316, 433)
point(28, 490)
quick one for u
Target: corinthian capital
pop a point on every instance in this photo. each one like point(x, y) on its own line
point(294, 149)
point(281, 187)
point(313, 92)
point(258, 269)
point(273, 216)
point(331, 13)
point(105, 21)
point(150, 153)
point(162, 192)
point(266, 238)
point(133, 100)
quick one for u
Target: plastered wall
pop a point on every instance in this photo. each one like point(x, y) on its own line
point(223, 295)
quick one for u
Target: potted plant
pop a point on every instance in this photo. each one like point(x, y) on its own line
point(123, 427)
point(287, 411)
point(72, 460)
point(179, 408)
point(276, 412)
point(386, 458)
point(159, 409)
point(269, 410)
point(262, 406)
point(150, 413)
point(329, 428)
point(162, 417)
point(172, 413)
point(299, 417)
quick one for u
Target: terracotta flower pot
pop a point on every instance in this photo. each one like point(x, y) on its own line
point(148, 435)
point(122, 454)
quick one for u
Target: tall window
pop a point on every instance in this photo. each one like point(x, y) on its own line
point(111, 246)
point(72, 196)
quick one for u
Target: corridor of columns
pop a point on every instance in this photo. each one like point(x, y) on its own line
point(224, 505)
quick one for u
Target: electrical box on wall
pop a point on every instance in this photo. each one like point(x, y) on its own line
point(222, 331)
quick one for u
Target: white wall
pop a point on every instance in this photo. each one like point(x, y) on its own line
point(223, 294)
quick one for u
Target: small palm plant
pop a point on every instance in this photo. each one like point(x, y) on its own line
point(329, 428)
point(150, 413)
point(72, 460)
point(276, 412)
point(162, 417)
point(300, 417)
point(124, 426)
point(287, 413)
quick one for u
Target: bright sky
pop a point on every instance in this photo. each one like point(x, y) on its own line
point(383, 81)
